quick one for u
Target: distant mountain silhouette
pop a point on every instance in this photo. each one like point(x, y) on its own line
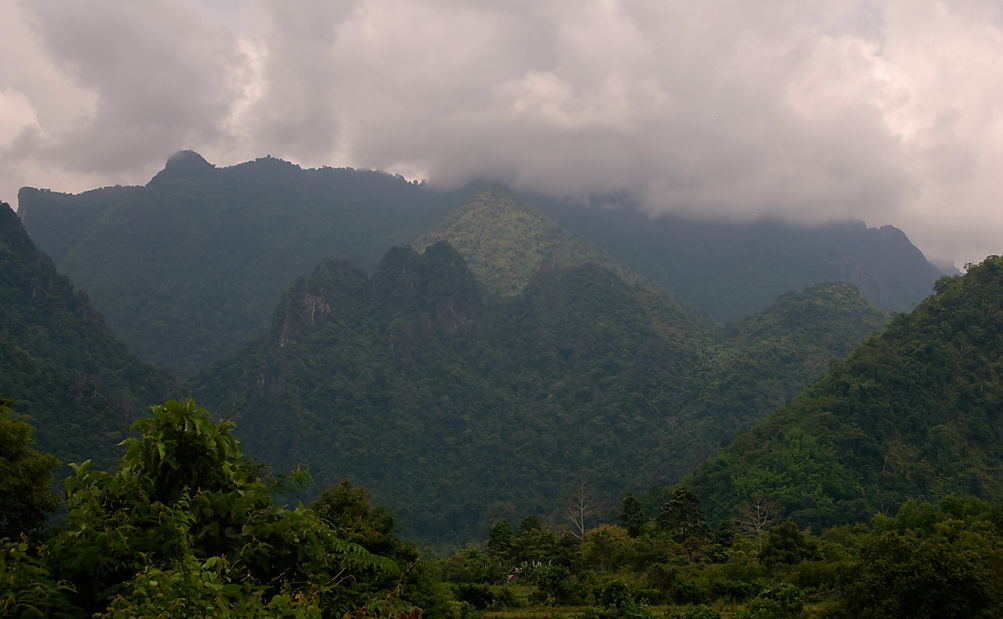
point(732, 270)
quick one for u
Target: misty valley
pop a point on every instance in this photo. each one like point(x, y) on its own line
point(269, 391)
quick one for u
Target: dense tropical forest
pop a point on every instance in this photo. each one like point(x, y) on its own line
point(911, 414)
point(459, 408)
point(186, 526)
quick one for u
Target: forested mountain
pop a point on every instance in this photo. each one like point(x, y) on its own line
point(505, 242)
point(915, 413)
point(732, 270)
point(59, 362)
point(458, 411)
point(189, 267)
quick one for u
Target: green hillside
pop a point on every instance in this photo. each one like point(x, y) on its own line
point(78, 385)
point(457, 412)
point(189, 268)
point(914, 413)
point(505, 241)
point(735, 269)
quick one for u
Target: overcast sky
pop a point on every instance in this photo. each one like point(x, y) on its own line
point(886, 111)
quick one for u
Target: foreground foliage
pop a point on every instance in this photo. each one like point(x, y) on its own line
point(184, 528)
point(940, 560)
point(25, 475)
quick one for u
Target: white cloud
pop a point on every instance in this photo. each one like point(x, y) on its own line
point(885, 111)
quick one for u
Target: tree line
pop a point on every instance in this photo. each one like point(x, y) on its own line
point(189, 526)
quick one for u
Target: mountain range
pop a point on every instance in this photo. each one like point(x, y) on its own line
point(491, 366)
point(188, 268)
point(732, 270)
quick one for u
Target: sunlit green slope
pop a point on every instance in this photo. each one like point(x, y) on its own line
point(506, 241)
point(916, 412)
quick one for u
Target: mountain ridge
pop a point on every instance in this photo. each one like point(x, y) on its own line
point(731, 270)
point(190, 266)
point(61, 364)
point(912, 413)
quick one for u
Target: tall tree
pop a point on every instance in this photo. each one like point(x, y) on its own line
point(755, 517)
point(632, 515)
point(681, 516)
point(180, 529)
point(500, 538)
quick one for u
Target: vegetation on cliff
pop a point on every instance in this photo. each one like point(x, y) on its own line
point(456, 409)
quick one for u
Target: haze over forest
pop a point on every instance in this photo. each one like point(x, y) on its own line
point(590, 309)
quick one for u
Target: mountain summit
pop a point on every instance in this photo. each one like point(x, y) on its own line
point(506, 241)
point(184, 164)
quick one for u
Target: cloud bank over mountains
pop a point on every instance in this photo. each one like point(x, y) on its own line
point(886, 111)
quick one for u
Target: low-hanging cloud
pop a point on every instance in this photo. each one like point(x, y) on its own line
point(885, 111)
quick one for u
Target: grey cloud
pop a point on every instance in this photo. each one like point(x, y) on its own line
point(808, 110)
point(686, 107)
point(164, 76)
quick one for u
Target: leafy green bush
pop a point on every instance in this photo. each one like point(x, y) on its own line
point(27, 587)
point(555, 586)
point(614, 599)
point(25, 475)
point(689, 593)
point(700, 611)
point(781, 602)
point(478, 596)
point(734, 590)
